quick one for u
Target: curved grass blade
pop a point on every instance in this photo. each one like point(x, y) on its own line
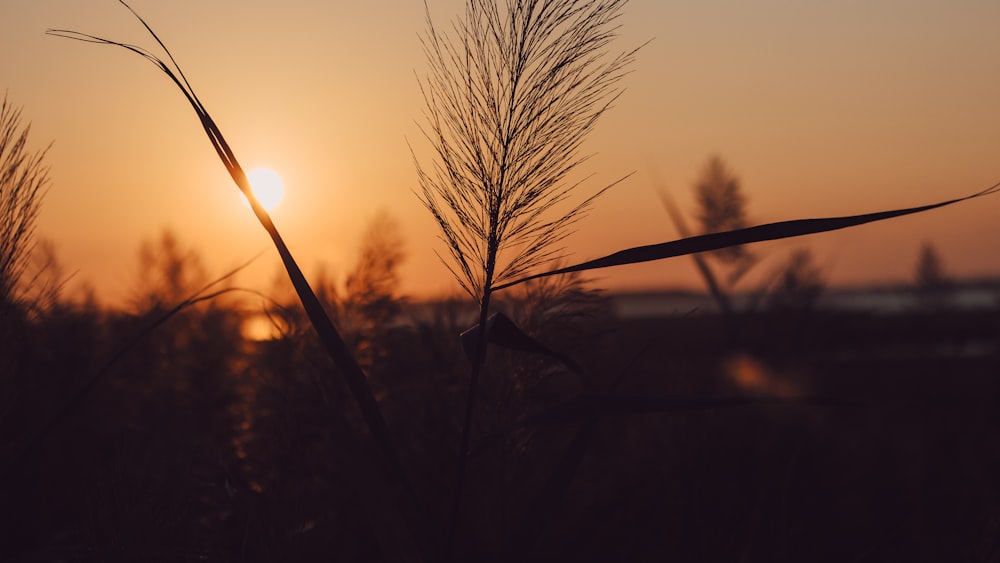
point(338, 351)
point(760, 233)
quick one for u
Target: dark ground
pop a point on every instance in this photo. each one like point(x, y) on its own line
point(199, 446)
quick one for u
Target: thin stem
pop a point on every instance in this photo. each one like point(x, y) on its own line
point(707, 274)
point(470, 406)
point(470, 400)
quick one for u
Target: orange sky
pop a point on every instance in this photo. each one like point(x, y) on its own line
point(822, 108)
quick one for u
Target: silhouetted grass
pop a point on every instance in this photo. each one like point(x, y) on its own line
point(348, 366)
point(816, 435)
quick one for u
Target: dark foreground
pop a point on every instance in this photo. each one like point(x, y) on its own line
point(200, 446)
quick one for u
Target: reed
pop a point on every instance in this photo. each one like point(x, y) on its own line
point(510, 97)
point(512, 91)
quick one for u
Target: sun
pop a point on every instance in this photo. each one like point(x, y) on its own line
point(267, 186)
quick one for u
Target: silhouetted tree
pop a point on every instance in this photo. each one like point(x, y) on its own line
point(168, 274)
point(185, 360)
point(371, 298)
point(44, 280)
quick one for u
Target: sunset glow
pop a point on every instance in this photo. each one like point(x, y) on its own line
point(267, 186)
point(820, 109)
point(584, 280)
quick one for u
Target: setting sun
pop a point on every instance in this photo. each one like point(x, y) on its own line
point(778, 220)
point(267, 186)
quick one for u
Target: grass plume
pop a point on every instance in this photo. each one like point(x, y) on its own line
point(510, 97)
point(23, 177)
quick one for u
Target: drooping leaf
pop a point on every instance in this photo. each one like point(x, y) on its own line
point(502, 331)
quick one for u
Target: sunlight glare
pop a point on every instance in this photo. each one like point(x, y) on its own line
point(267, 186)
point(260, 327)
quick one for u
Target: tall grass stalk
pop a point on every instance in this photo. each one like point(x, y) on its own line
point(511, 94)
point(333, 343)
point(700, 262)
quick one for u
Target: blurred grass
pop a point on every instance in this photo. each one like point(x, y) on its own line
point(785, 433)
point(230, 455)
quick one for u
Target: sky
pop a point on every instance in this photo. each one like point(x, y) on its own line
point(821, 108)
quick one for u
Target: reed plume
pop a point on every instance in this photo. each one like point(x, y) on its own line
point(511, 94)
point(510, 97)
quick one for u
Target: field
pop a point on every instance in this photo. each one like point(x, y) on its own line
point(531, 416)
point(201, 446)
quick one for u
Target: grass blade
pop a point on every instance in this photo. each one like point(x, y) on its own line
point(330, 338)
point(700, 262)
point(760, 233)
